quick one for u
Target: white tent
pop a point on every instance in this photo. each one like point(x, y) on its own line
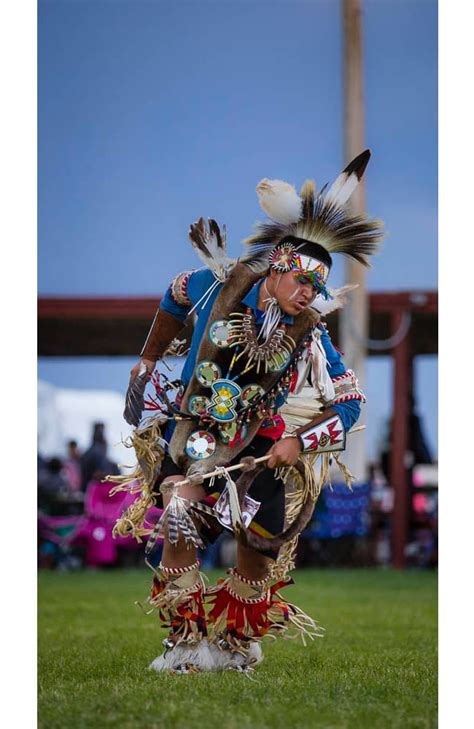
point(67, 414)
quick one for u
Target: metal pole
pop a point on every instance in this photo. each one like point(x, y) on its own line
point(355, 314)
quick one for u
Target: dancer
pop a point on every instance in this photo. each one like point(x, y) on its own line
point(261, 379)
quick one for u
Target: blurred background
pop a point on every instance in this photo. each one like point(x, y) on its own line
point(152, 114)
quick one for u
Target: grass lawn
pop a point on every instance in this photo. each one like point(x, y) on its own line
point(376, 667)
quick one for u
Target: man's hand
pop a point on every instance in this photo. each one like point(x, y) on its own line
point(135, 371)
point(284, 453)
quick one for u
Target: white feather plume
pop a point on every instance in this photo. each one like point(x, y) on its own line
point(339, 298)
point(279, 200)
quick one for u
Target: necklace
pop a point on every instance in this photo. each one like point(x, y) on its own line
point(271, 354)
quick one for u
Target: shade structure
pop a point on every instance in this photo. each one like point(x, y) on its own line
point(402, 324)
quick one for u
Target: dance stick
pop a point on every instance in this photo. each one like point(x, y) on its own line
point(218, 471)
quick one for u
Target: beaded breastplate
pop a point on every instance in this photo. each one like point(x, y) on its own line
point(237, 380)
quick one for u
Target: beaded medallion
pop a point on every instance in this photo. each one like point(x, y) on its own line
point(208, 372)
point(220, 333)
point(225, 394)
point(200, 445)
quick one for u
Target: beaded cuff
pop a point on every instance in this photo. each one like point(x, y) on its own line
point(347, 387)
point(178, 288)
point(326, 436)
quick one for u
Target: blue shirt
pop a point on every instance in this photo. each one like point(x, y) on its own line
point(198, 284)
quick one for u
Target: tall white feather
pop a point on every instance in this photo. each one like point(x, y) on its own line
point(342, 189)
point(279, 200)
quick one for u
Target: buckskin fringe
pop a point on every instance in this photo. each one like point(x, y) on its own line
point(285, 562)
point(149, 452)
point(132, 522)
point(301, 485)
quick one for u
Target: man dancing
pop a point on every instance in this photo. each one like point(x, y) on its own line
point(261, 378)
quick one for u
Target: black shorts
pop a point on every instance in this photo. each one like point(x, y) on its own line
point(267, 491)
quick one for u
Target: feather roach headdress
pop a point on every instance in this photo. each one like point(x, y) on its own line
point(306, 229)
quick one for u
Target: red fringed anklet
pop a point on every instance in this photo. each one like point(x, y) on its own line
point(177, 595)
point(246, 610)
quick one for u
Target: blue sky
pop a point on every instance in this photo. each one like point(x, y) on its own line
point(154, 113)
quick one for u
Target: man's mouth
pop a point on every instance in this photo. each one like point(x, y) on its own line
point(300, 305)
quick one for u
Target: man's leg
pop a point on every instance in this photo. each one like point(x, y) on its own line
point(239, 609)
point(180, 554)
point(177, 594)
point(252, 564)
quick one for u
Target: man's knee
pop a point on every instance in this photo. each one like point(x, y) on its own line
point(187, 491)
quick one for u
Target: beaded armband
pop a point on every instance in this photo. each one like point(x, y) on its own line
point(347, 387)
point(326, 436)
point(178, 288)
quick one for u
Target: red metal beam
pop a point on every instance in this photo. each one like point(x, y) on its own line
point(52, 307)
point(422, 301)
point(132, 307)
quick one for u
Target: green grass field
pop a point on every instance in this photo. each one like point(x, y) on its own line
point(375, 667)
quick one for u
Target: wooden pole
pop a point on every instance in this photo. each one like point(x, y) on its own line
point(354, 316)
point(399, 444)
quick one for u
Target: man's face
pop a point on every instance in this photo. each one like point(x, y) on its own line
point(293, 295)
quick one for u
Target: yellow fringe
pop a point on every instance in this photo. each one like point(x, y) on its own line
point(302, 486)
point(297, 491)
point(348, 476)
point(132, 521)
point(149, 454)
point(286, 561)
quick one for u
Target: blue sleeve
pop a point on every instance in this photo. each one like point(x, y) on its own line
point(179, 311)
point(348, 411)
point(336, 366)
point(197, 284)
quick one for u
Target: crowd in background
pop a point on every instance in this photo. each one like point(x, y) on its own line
point(76, 515)
point(63, 482)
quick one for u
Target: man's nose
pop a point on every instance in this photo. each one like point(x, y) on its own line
point(308, 291)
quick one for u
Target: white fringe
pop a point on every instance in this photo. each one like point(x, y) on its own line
point(206, 656)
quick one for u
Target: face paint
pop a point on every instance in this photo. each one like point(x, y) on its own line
point(297, 292)
point(306, 278)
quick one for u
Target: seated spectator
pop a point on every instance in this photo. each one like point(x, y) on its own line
point(52, 486)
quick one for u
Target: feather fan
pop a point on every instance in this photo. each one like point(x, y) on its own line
point(210, 245)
